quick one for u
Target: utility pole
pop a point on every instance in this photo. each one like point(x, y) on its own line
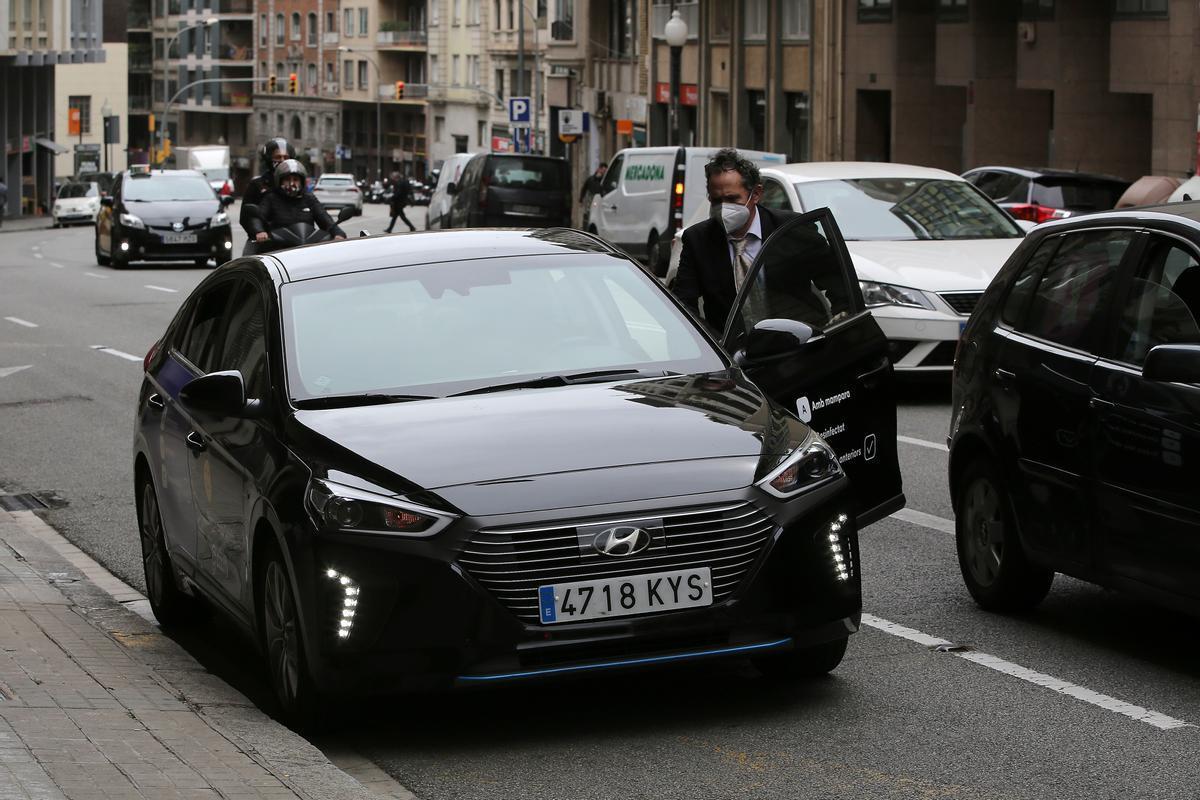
point(521, 59)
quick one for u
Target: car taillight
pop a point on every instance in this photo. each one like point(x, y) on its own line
point(150, 356)
point(1032, 212)
point(353, 190)
point(677, 201)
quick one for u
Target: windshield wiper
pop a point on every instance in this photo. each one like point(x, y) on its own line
point(545, 381)
point(350, 400)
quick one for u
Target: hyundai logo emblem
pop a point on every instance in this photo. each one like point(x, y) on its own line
point(177, 226)
point(621, 540)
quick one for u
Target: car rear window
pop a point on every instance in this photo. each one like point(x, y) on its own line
point(527, 173)
point(72, 190)
point(327, 183)
point(1077, 194)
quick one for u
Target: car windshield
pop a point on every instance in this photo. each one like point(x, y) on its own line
point(441, 329)
point(327, 183)
point(526, 173)
point(167, 187)
point(73, 190)
point(897, 209)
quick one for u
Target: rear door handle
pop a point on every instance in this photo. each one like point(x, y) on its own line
point(154, 401)
point(1098, 404)
point(195, 442)
point(1005, 377)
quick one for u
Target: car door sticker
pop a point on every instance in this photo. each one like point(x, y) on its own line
point(804, 410)
point(832, 400)
point(829, 433)
point(869, 448)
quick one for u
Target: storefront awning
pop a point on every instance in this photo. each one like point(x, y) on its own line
point(52, 146)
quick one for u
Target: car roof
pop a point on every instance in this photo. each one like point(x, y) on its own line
point(854, 170)
point(336, 175)
point(523, 155)
point(1187, 212)
point(1027, 172)
point(143, 175)
point(430, 247)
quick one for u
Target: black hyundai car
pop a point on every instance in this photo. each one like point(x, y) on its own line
point(469, 457)
point(1076, 413)
point(163, 215)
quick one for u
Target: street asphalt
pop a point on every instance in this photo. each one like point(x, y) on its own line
point(1093, 695)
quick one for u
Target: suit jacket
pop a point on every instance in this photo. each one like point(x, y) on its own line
point(705, 269)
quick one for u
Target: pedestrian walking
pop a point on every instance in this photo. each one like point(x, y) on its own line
point(3, 200)
point(401, 197)
point(591, 188)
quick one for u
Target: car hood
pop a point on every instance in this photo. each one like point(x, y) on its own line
point(935, 266)
point(454, 446)
point(160, 212)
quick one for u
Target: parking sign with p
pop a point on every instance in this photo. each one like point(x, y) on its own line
point(520, 111)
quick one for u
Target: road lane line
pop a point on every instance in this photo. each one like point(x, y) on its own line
point(6, 371)
point(1154, 718)
point(22, 322)
point(56, 265)
point(118, 353)
point(923, 443)
point(930, 521)
point(94, 275)
point(160, 288)
point(38, 255)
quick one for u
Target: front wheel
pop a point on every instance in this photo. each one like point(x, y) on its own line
point(283, 646)
point(994, 566)
point(804, 663)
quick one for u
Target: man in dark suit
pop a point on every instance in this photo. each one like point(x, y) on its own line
point(717, 253)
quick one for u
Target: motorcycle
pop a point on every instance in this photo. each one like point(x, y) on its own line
point(288, 236)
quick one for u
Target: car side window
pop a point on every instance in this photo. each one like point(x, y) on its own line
point(1076, 287)
point(1164, 301)
point(1026, 281)
point(774, 196)
point(1000, 186)
point(202, 340)
point(612, 176)
point(245, 345)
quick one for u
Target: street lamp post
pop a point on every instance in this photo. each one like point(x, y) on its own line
point(676, 33)
point(105, 113)
point(378, 111)
point(167, 66)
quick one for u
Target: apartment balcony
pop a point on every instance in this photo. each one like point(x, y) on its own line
point(139, 104)
point(222, 8)
point(402, 38)
point(509, 42)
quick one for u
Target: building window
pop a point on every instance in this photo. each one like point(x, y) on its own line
point(622, 28)
point(280, 29)
point(482, 132)
point(362, 22)
point(874, 10)
point(562, 29)
point(435, 74)
point(952, 11)
point(457, 12)
point(1135, 9)
point(439, 128)
point(330, 20)
point(264, 29)
point(796, 19)
point(328, 74)
point(473, 69)
point(754, 20)
point(312, 29)
point(473, 12)
point(461, 144)
point(311, 85)
point(718, 117)
point(797, 109)
point(454, 71)
point(756, 112)
point(348, 22)
point(84, 104)
point(1033, 10)
point(500, 83)
point(348, 74)
point(720, 20)
point(279, 77)
point(295, 26)
point(362, 75)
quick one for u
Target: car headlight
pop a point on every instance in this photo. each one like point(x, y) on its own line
point(887, 294)
point(218, 220)
point(336, 507)
point(130, 221)
point(812, 463)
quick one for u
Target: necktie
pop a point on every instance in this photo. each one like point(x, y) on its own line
point(741, 263)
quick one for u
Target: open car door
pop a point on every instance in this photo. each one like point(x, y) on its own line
point(800, 330)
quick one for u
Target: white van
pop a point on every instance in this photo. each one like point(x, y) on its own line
point(439, 201)
point(647, 194)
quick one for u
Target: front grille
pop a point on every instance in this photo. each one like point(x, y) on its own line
point(962, 302)
point(512, 563)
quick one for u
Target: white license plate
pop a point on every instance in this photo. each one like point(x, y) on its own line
point(528, 211)
point(179, 238)
point(622, 597)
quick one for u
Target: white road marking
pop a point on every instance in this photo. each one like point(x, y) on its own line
point(118, 353)
point(1158, 720)
point(923, 443)
point(22, 322)
point(6, 371)
point(38, 255)
point(94, 275)
point(56, 265)
point(925, 520)
point(160, 288)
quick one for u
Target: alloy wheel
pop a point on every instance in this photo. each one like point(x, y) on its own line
point(985, 536)
point(281, 631)
point(154, 557)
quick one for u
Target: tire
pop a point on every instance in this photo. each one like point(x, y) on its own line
point(172, 608)
point(101, 259)
point(994, 565)
point(283, 645)
point(804, 664)
point(657, 256)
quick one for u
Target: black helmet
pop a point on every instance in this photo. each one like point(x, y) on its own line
point(271, 147)
point(290, 167)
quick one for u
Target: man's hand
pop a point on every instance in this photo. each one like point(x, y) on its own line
point(261, 236)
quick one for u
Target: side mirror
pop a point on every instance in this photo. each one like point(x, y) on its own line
point(219, 393)
point(106, 201)
point(363, 233)
point(1173, 363)
point(452, 188)
point(346, 213)
point(777, 337)
point(226, 200)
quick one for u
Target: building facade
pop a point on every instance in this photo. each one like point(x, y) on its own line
point(461, 101)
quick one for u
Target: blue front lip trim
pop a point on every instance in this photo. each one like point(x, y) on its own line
point(628, 662)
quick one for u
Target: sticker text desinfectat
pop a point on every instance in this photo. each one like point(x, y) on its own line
point(834, 430)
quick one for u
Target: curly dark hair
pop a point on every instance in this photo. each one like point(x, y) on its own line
point(727, 159)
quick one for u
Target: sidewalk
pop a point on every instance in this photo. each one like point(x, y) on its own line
point(25, 223)
point(96, 703)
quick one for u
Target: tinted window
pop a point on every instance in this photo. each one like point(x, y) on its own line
point(899, 209)
point(1164, 302)
point(1002, 186)
point(1027, 278)
point(167, 187)
point(527, 173)
point(612, 176)
point(75, 190)
point(775, 196)
point(202, 341)
point(245, 347)
point(1076, 287)
point(1077, 194)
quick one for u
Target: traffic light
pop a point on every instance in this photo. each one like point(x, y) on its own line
point(293, 84)
point(399, 90)
point(271, 84)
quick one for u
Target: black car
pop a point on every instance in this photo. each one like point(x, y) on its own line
point(489, 456)
point(163, 215)
point(1076, 413)
point(1038, 195)
point(498, 190)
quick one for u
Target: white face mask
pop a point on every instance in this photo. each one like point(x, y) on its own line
point(733, 216)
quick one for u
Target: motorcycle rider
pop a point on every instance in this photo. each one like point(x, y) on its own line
point(271, 153)
point(290, 203)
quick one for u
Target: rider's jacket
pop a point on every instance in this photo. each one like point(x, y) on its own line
point(277, 210)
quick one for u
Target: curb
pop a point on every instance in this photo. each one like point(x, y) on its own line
point(123, 615)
